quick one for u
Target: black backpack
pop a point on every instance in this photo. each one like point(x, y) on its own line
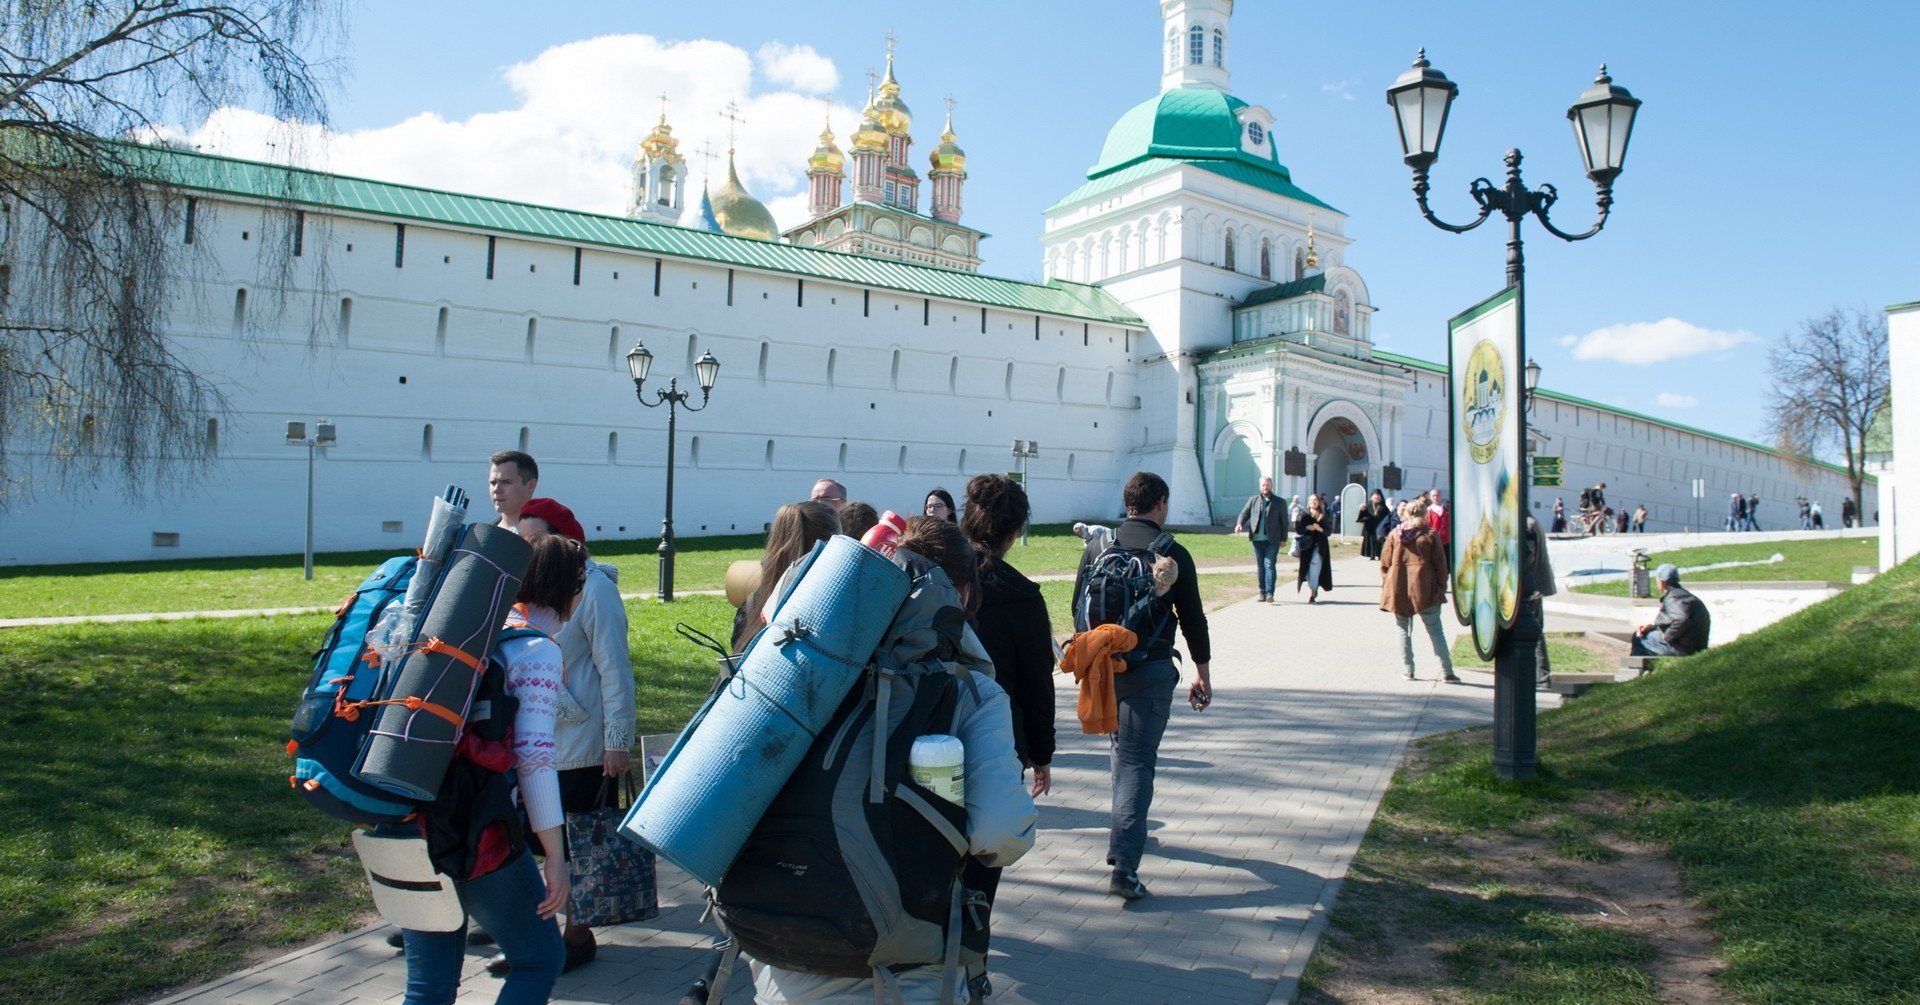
point(857, 870)
point(1118, 590)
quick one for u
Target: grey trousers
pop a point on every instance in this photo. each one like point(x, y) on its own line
point(1435, 634)
point(1145, 699)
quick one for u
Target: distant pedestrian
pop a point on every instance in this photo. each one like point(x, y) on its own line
point(1333, 515)
point(1737, 512)
point(1413, 584)
point(1559, 515)
point(1640, 519)
point(1264, 524)
point(1683, 626)
point(1539, 585)
point(1096, 536)
point(1623, 520)
point(939, 505)
point(1316, 558)
point(1806, 512)
point(1439, 518)
point(1847, 513)
point(1817, 519)
point(1753, 512)
point(831, 492)
point(1372, 540)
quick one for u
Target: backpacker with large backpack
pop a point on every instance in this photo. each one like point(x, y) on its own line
point(1118, 589)
point(382, 719)
point(857, 870)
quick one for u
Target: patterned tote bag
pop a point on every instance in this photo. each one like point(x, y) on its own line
point(613, 878)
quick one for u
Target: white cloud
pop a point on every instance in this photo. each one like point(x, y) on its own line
point(583, 108)
point(1341, 89)
point(1644, 343)
point(798, 67)
point(1668, 399)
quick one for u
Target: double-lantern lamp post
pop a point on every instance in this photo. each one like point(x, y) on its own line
point(1602, 120)
point(324, 435)
point(1023, 451)
point(705, 370)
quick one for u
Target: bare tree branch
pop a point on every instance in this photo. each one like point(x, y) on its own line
point(91, 231)
point(1826, 382)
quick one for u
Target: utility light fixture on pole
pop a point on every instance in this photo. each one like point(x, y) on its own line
point(705, 370)
point(323, 436)
point(1022, 451)
point(1602, 120)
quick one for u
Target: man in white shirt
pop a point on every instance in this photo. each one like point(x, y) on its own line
point(510, 484)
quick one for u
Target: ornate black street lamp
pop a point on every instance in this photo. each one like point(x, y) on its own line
point(705, 370)
point(1602, 123)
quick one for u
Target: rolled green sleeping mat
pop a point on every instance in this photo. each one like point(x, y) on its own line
point(412, 741)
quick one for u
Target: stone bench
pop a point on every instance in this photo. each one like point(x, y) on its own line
point(1574, 684)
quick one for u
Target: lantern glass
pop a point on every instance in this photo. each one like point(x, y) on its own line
point(324, 434)
point(706, 370)
point(1602, 124)
point(639, 362)
point(1533, 374)
point(1420, 99)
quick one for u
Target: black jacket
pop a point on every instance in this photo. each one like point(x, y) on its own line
point(1683, 621)
point(1012, 623)
point(1312, 541)
point(1135, 532)
point(1268, 516)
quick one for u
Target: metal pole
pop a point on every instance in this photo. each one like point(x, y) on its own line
point(312, 447)
point(1029, 491)
point(666, 524)
point(1515, 661)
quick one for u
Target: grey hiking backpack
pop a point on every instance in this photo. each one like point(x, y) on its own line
point(856, 870)
point(1118, 590)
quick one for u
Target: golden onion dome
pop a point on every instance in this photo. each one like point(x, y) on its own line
point(888, 109)
point(871, 136)
point(948, 156)
point(740, 214)
point(826, 157)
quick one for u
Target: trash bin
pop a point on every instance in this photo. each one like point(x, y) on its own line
point(1639, 587)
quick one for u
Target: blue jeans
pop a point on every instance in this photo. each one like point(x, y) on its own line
point(1652, 644)
point(504, 902)
point(1264, 553)
point(1145, 698)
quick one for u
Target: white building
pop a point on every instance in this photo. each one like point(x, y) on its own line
point(1199, 320)
point(1898, 429)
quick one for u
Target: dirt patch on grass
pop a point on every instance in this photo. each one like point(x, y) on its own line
point(1386, 950)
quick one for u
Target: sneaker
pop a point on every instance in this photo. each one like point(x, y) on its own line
point(397, 939)
point(1410, 676)
point(1126, 885)
point(1451, 679)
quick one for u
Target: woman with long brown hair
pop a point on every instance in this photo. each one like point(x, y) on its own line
point(1316, 558)
point(796, 528)
point(1012, 620)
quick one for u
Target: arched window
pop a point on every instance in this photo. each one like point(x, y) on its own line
point(1220, 48)
point(664, 196)
point(1227, 254)
point(1266, 259)
point(1197, 45)
point(1299, 263)
point(1342, 307)
point(1173, 48)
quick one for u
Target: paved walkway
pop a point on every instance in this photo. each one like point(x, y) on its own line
point(1261, 803)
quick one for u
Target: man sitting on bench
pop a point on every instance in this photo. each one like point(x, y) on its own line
point(1683, 624)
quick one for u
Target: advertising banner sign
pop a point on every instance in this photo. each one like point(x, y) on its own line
point(1484, 365)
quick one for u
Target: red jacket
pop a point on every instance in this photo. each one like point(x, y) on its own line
point(1441, 522)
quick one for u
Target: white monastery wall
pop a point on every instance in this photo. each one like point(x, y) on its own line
point(1901, 540)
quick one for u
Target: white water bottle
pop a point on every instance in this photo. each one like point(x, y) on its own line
point(939, 762)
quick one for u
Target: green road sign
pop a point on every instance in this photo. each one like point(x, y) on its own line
point(1546, 465)
point(1017, 478)
point(1546, 481)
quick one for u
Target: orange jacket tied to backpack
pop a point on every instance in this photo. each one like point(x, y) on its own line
point(1093, 657)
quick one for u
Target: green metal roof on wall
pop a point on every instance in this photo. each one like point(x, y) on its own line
point(1134, 174)
point(1315, 283)
point(1421, 364)
point(232, 176)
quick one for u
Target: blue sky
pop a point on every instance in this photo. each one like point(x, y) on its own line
point(1769, 177)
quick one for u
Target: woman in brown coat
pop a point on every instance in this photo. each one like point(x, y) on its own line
point(1413, 583)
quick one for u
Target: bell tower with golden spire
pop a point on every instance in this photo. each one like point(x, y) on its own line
point(869, 151)
point(826, 171)
point(901, 186)
point(659, 175)
point(949, 170)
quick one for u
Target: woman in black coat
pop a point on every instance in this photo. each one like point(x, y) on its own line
point(1316, 559)
point(1371, 516)
point(1012, 620)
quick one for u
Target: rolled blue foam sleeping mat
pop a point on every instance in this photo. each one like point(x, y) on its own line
point(733, 758)
point(408, 749)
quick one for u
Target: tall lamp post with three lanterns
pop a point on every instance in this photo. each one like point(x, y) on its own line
point(705, 370)
point(1602, 120)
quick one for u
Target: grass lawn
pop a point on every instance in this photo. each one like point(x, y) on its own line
point(1566, 655)
point(1779, 774)
point(147, 836)
point(1827, 560)
point(275, 581)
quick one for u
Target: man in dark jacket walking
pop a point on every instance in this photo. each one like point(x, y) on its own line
point(1264, 520)
point(1683, 625)
point(1144, 693)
